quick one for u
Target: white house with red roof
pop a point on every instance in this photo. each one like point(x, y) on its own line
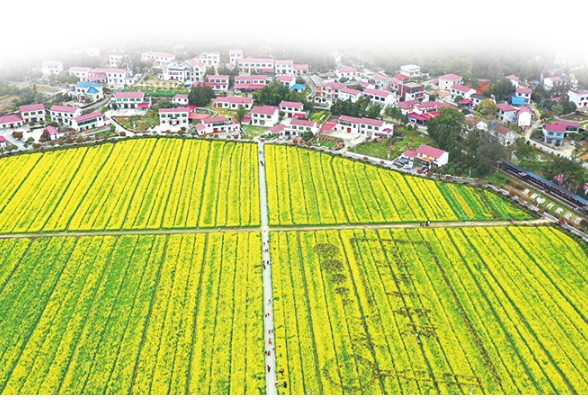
point(298, 127)
point(524, 116)
point(554, 133)
point(124, 100)
point(349, 94)
point(330, 91)
point(234, 56)
point(217, 125)
point(249, 83)
point(157, 57)
point(432, 155)
point(53, 132)
point(219, 83)
point(111, 76)
point(211, 58)
point(51, 67)
point(514, 80)
point(506, 112)
point(256, 64)
point(264, 115)
point(365, 126)
point(350, 73)
point(410, 70)
point(525, 93)
point(287, 80)
point(292, 109)
point(115, 60)
point(382, 97)
point(579, 98)
point(2, 142)
point(11, 121)
point(408, 106)
point(180, 100)
point(88, 121)
point(81, 72)
point(279, 129)
point(461, 90)
point(550, 81)
point(64, 114)
point(32, 113)
point(446, 81)
point(284, 67)
point(174, 116)
point(571, 126)
point(301, 69)
point(233, 103)
point(382, 81)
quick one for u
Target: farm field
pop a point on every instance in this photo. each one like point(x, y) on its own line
point(495, 312)
point(310, 188)
point(140, 314)
point(134, 184)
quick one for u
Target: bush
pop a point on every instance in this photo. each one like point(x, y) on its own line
point(61, 142)
point(52, 143)
point(511, 193)
point(17, 135)
point(69, 140)
point(459, 171)
point(36, 145)
point(80, 140)
point(451, 171)
point(365, 159)
point(123, 134)
point(31, 140)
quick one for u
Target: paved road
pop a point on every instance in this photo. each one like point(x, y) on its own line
point(268, 332)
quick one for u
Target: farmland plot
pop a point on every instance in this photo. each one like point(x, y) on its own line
point(310, 188)
point(151, 314)
point(434, 311)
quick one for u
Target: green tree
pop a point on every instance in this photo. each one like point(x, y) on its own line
point(446, 129)
point(165, 103)
point(487, 107)
point(573, 175)
point(501, 89)
point(200, 96)
point(241, 112)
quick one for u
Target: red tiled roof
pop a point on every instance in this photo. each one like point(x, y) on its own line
point(461, 88)
point(214, 119)
point(129, 95)
point(291, 104)
point(32, 107)
point(197, 116)
point(64, 109)
point(302, 122)
point(266, 110)
point(10, 118)
point(410, 154)
point(88, 116)
point(430, 151)
point(505, 107)
point(451, 77)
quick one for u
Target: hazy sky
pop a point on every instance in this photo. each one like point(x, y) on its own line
point(47, 27)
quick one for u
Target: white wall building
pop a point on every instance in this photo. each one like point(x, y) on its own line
point(461, 90)
point(233, 103)
point(32, 113)
point(64, 114)
point(580, 98)
point(410, 70)
point(234, 56)
point(88, 121)
point(51, 67)
point(264, 115)
point(157, 58)
point(447, 81)
point(174, 116)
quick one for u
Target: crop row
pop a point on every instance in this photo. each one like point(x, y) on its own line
point(132, 315)
point(311, 188)
point(495, 312)
point(140, 184)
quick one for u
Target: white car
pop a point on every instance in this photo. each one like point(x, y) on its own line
point(572, 143)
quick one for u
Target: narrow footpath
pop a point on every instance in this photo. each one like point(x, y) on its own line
point(268, 332)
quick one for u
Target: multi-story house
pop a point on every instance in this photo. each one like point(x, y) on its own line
point(64, 114)
point(212, 59)
point(554, 133)
point(461, 90)
point(524, 116)
point(88, 121)
point(249, 83)
point(219, 83)
point(382, 97)
point(157, 58)
point(234, 56)
point(287, 80)
point(174, 116)
point(89, 90)
point(525, 93)
point(409, 90)
point(264, 115)
point(447, 81)
point(301, 69)
point(11, 121)
point(349, 73)
point(115, 60)
point(110, 76)
point(410, 70)
point(579, 98)
point(180, 100)
point(382, 81)
point(217, 125)
point(51, 67)
point(256, 64)
point(284, 67)
point(506, 113)
point(81, 72)
point(292, 109)
point(349, 94)
point(233, 103)
point(330, 91)
point(32, 113)
point(298, 127)
point(124, 100)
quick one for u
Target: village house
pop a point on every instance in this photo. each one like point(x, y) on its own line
point(256, 64)
point(381, 97)
point(111, 76)
point(284, 67)
point(174, 116)
point(524, 93)
point(410, 70)
point(32, 113)
point(88, 121)
point(330, 91)
point(234, 56)
point(365, 126)
point(180, 100)
point(219, 83)
point(233, 103)
point(124, 100)
point(279, 129)
point(115, 60)
point(524, 117)
point(550, 81)
point(11, 121)
point(51, 67)
point(287, 80)
point(212, 59)
point(157, 58)
point(298, 127)
point(349, 94)
point(514, 80)
point(410, 90)
point(89, 90)
point(382, 81)
point(301, 69)
point(571, 126)
point(349, 73)
point(264, 115)
point(447, 81)
point(579, 98)
point(461, 90)
point(81, 72)
point(53, 132)
point(292, 109)
point(244, 84)
point(218, 125)
point(554, 133)
point(64, 114)
point(2, 142)
point(506, 113)
point(432, 155)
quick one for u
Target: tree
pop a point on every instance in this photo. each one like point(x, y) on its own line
point(501, 89)
point(241, 112)
point(487, 107)
point(570, 174)
point(446, 128)
point(374, 111)
point(17, 135)
point(165, 103)
point(200, 96)
point(488, 155)
point(343, 80)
